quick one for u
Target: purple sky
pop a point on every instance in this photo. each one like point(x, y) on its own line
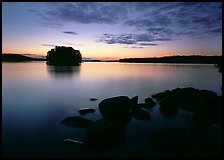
point(112, 30)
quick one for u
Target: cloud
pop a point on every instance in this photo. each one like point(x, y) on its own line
point(83, 12)
point(49, 45)
point(134, 47)
point(148, 44)
point(173, 19)
point(69, 32)
point(197, 18)
point(129, 39)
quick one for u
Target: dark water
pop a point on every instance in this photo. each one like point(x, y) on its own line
point(36, 97)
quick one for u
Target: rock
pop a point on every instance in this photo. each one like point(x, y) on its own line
point(160, 96)
point(141, 114)
point(184, 98)
point(77, 121)
point(93, 99)
point(84, 111)
point(104, 134)
point(149, 102)
point(168, 111)
point(116, 109)
point(134, 102)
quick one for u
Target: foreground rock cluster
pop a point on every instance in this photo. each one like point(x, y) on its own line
point(109, 132)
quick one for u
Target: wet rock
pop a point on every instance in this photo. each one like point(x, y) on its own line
point(84, 111)
point(160, 96)
point(116, 109)
point(77, 121)
point(184, 98)
point(141, 114)
point(149, 103)
point(104, 134)
point(134, 102)
point(168, 111)
point(93, 99)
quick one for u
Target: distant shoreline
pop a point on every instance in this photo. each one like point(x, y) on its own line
point(193, 59)
point(19, 58)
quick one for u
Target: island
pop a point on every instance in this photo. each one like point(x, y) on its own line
point(63, 56)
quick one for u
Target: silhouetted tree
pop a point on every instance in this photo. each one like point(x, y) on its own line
point(62, 55)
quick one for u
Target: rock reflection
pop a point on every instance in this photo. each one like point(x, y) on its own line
point(62, 71)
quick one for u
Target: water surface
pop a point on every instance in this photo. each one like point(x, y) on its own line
point(36, 97)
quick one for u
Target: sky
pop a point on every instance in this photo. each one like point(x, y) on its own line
point(113, 30)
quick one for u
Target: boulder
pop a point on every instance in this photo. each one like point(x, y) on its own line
point(77, 121)
point(160, 96)
point(184, 98)
point(116, 109)
point(134, 102)
point(84, 111)
point(104, 134)
point(168, 111)
point(149, 102)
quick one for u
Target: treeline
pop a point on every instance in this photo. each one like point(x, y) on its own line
point(177, 59)
point(61, 55)
point(15, 58)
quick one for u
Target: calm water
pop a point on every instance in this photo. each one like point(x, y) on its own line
point(36, 97)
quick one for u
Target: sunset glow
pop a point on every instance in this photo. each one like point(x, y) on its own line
point(113, 30)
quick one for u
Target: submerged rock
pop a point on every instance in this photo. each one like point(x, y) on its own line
point(84, 111)
point(71, 141)
point(104, 134)
point(93, 99)
point(77, 121)
point(116, 108)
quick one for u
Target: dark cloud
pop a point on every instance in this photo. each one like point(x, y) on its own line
point(83, 12)
point(139, 23)
point(49, 45)
point(69, 32)
point(148, 44)
point(130, 39)
point(171, 19)
point(122, 39)
point(161, 20)
point(134, 47)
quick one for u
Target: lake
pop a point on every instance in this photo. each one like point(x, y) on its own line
point(36, 97)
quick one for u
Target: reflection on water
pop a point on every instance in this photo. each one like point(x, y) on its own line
point(33, 102)
point(63, 71)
